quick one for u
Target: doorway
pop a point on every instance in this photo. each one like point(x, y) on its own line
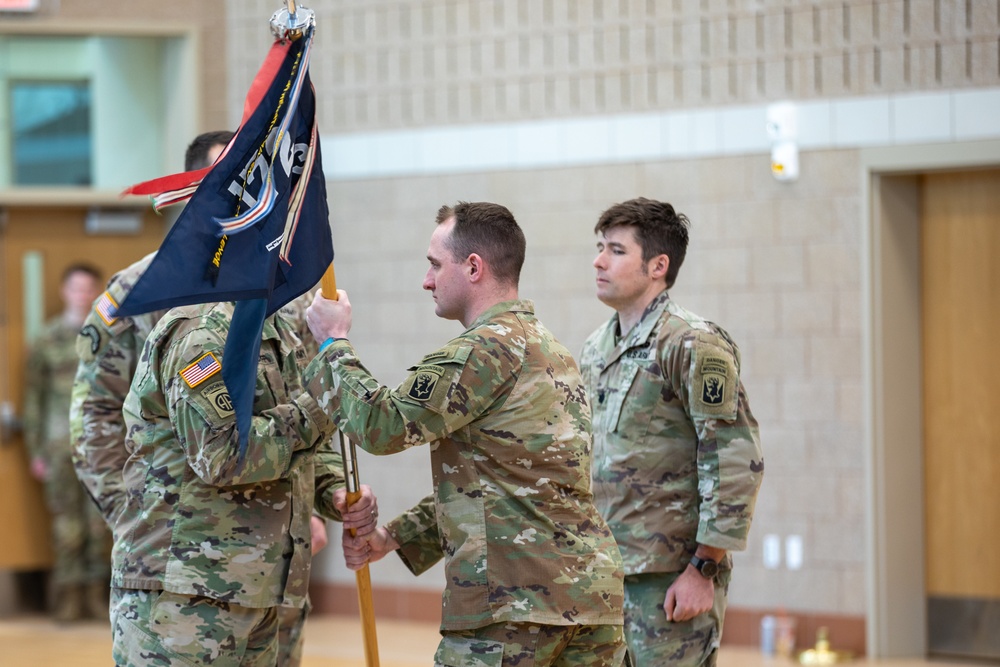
point(960, 267)
point(894, 183)
point(36, 244)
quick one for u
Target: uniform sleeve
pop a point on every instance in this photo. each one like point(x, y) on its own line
point(329, 466)
point(416, 532)
point(730, 463)
point(36, 378)
point(108, 359)
point(442, 394)
point(204, 422)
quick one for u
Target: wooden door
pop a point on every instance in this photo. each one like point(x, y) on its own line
point(960, 258)
point(56, 237)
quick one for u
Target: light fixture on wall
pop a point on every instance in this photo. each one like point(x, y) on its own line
point(782, 128)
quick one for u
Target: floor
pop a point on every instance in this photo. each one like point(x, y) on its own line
point(331, 641)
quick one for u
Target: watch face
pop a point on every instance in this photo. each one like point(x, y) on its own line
point(709, 568)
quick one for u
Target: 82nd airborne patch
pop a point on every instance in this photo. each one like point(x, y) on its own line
point(218, 396)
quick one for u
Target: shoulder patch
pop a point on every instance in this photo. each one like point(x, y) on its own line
point(714, 387)
point(714, 375)
point(423, 381)
point(218, 396)
point(107, 307)
point(88, 343)
point(205, 367)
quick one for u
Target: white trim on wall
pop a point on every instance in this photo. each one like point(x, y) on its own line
point(850, 122)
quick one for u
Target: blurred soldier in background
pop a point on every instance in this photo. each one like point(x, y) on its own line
point(80, 539)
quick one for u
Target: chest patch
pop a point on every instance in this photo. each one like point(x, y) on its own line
point(641, 353)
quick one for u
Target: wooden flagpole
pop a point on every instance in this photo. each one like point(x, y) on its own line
point(363, 576)
point(290, 24)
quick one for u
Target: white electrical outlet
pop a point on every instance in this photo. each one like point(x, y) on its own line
point(772, 551)
point(793, 552)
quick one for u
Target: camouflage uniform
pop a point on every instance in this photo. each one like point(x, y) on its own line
point(505, 412)
point(292, 620)
point(206, 549)
point(677, 462)
point(81, 542)
point(294, 312)
point(109, 350)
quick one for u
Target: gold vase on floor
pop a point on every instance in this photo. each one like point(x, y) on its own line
point(822, 654)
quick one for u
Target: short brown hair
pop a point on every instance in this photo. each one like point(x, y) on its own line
point(81, 267)
point(196, 156)
point(658, 228)
point(490, 231)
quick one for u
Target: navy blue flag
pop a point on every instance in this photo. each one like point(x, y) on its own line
point(256, 229)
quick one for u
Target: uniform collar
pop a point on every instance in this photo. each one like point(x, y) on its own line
point(640, 333)
point(515, 306)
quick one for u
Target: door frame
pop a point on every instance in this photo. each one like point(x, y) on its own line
point(896, 616)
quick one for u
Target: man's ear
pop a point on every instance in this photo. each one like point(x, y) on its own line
point(475, 267)
point(658, 266)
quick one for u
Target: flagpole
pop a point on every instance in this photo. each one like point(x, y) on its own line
point(291, 23)
point(363, 576)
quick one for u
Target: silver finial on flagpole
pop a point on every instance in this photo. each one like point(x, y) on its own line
point(291, 21)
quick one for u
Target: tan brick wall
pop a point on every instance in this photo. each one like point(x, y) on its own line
point(777, 265)
point(405, 63)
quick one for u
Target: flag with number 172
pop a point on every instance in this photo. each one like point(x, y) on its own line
point(256, 227)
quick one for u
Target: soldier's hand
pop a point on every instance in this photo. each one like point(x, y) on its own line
point(359, 551)
point(362, 516)
point(690, 595)
point(329, 318)
point(318, 534)
point(39, 469)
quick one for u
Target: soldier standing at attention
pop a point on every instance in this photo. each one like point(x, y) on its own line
point(211, 546)
point(533, 574)
point(80, 540)
point(109, 349)
point(677, 458)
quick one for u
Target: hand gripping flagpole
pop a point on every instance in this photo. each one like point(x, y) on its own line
point(347, 451)
point(290, 23)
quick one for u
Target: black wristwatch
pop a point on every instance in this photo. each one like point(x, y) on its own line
point(706, 567)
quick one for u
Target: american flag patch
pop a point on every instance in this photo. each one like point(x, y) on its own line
point(201, 370)
point(106, 308)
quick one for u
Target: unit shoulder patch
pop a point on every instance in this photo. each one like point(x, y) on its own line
point(88, 343)
point(714, 386)
point(423, 382)
point(218, 397)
